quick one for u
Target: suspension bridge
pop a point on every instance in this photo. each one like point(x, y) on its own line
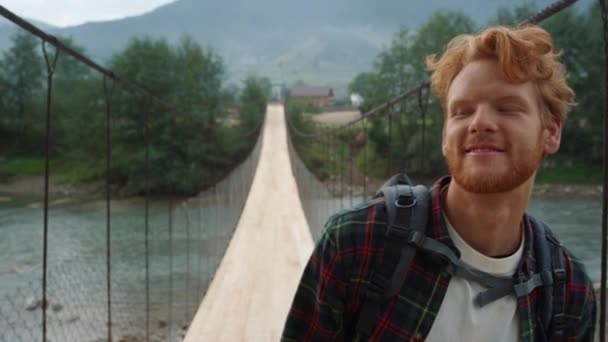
point(252, 289)
point(219, 266)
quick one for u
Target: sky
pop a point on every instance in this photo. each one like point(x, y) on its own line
point(73, 12)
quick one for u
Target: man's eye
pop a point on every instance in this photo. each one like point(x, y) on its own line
point(509, 108)
point(462, 111)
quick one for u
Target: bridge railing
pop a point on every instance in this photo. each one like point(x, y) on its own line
point(339, 166)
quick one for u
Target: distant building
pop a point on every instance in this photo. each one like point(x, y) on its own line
point(318, 96)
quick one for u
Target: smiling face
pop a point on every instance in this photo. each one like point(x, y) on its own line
point(493, 138)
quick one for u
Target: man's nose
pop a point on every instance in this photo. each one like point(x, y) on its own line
point(483, 120)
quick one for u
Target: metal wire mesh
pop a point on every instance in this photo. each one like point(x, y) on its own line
point(113, 268)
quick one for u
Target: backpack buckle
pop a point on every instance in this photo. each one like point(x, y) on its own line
point(559, 324)
point(559, 275)
point(411, 202)
point(547, 277)
point(416, 238)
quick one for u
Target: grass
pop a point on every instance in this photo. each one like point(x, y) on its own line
point(73, 172)
point(339, 108)
point(23, 166)
point(570, 174)
point(66, 171)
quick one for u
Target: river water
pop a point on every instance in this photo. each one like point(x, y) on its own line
point(184, 251)
point(577, 224)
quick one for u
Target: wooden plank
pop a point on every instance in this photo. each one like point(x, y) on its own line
point(252, 290)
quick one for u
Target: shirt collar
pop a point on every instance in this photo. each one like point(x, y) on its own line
point(440, 233)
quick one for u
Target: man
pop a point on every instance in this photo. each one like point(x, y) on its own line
point(505, 99)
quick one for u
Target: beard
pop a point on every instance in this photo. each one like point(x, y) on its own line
point(521, 165)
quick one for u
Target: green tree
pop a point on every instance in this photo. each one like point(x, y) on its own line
point(21, 77)
point(230, 95)
point(253, 102)
point(395, 65)
point(434, 35)
point(198, 80)
point(366, 84)
point(266, 85)
point(79, 123)
point(139, 123)
point(183, 148)
point(578, 36)
point(201, 144)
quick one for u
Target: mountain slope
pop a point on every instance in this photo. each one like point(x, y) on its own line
point(316, 40)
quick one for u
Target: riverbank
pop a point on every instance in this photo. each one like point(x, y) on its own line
point(580, 191)
point(33, 187)
point(568, 190)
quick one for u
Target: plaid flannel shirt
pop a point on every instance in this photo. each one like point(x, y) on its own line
point(332, 288)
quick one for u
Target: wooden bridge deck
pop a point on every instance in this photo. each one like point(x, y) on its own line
point(252, 290)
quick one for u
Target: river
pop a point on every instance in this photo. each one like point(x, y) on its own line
point(184, 251)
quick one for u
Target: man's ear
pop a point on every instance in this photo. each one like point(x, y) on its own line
point(552, 136)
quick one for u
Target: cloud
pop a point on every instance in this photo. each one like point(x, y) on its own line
point(73, 12)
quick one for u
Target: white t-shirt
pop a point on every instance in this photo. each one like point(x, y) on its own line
point(459, 318)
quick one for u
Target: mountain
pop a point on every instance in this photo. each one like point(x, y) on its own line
point(318, 41)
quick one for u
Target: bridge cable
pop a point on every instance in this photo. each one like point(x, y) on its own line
point(108, 94)
point(389, 161)
point(200, 249)
point(147, 214)
point(336, 159)
point(170, 325)
point(350, 187)
point(365, 147)
point(399, 119)
point(187, 213)
point(548, 11)
point(342, 171)
point(329, 163)
point(50, 68)
point(605, 176)
point(423, 104)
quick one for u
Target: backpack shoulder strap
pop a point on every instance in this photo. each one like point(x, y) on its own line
point(409, 221)
point(407, 208)
point(558, 326)
point(549, 255)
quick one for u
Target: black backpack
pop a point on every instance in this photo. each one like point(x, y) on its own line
point(407, 207)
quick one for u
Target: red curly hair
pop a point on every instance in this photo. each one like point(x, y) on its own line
point(524, 54)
